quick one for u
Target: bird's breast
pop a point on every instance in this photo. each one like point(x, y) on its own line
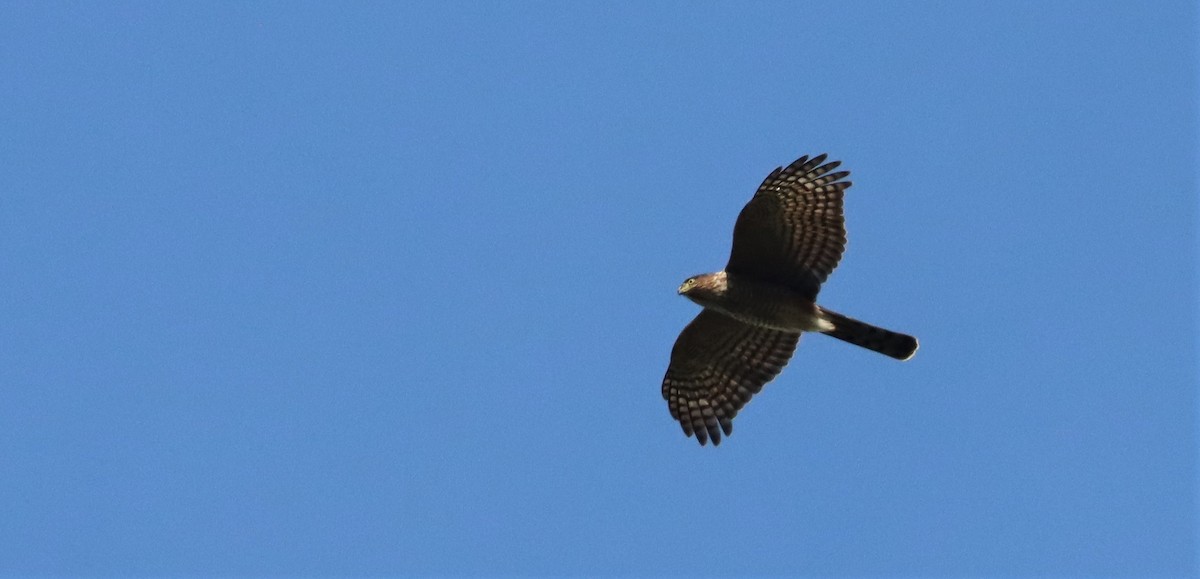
point(770, 306)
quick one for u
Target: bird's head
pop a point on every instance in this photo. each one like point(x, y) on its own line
point(703, 289)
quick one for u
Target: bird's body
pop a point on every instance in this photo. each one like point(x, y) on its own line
point(786, 242)
point(758, 303)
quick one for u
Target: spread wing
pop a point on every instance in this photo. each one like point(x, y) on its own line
point(717, 364)
point(792, 231)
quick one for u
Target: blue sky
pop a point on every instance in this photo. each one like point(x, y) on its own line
point(389, 288)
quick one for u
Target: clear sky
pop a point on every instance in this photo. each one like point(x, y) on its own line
point(389, 288)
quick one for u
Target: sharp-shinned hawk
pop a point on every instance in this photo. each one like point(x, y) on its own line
point(786, 242)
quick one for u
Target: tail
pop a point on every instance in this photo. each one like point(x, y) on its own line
point(886, 342)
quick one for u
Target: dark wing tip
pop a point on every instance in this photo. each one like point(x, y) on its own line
point(714, 431)
point(705, 425)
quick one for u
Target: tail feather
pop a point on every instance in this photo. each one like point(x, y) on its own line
point(886, 342)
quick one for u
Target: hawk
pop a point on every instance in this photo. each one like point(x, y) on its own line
point(786, 242)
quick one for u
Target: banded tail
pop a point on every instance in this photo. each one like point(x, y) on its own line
point(886, 342)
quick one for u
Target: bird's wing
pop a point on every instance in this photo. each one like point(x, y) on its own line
point(717, 365)
point(792, 232)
